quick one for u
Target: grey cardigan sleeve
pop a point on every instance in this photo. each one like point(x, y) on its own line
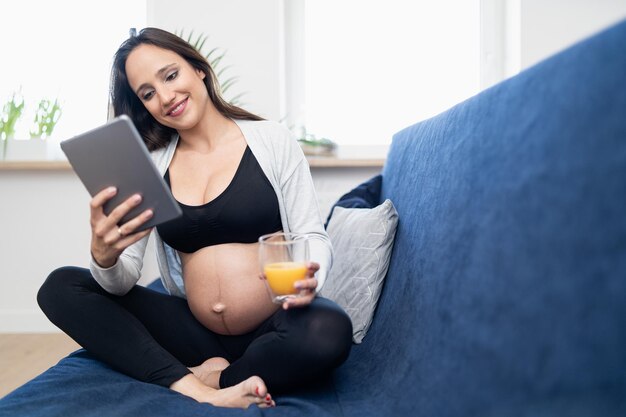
point(302, 209)
point(122, 276)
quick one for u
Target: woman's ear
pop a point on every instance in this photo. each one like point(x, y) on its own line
point(201, 74)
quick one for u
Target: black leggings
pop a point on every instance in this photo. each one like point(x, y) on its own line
point(154, 337)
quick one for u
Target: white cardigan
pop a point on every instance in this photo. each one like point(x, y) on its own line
point(284, 164)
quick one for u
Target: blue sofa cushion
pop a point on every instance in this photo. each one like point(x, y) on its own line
point(506, 292)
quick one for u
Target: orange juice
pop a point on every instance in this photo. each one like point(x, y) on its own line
point(281, 276)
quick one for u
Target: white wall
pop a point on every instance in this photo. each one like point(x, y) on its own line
point(44, 214)
point(332, 183)
point(548, 26)
point(44, 224)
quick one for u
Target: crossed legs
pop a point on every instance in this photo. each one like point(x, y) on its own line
point(154, 337)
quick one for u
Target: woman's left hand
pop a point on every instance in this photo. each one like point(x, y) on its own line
point(307, 288)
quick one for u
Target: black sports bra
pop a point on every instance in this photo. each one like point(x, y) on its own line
point(245, 210)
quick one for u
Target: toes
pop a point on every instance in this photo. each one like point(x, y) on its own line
point(268, 401)
point(260, 390)
point(265, 402)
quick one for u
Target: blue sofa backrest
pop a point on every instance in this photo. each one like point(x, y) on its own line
point(506, 293)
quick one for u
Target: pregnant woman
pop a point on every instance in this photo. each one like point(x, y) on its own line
point(216, 336)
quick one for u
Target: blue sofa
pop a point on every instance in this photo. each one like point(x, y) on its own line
point(506, 292)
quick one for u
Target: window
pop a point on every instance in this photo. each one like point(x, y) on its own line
point(373, 67)
point(63, 50)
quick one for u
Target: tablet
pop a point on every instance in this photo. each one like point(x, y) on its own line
point(114, 155)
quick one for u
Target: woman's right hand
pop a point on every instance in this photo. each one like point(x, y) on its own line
point(108, 240)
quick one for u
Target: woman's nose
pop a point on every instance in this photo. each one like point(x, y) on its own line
point(166, 96)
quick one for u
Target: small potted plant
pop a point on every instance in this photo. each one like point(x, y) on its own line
point(314, 146)
point(46, 118)
point(11, 112)
point(33, 148)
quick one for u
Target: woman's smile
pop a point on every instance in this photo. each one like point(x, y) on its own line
point(178, 108)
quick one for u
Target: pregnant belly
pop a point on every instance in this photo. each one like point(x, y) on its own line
point(223, 288)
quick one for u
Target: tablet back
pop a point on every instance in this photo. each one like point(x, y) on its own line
point(114, 155)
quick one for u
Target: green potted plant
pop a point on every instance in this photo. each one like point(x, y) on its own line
point(35, 147)
point(312, 145)
point(11, 112)
point(46, 118)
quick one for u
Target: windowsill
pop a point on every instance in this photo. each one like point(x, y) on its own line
point(344, 157)
point(35, 165)
point(371, 156)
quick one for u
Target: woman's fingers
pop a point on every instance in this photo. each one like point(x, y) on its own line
point(130, 226)
point(98, 201)
point(305, 297)
point(108, 239)
point(126, 241)
point(309, 284)
point(106, 255)
point(122, 237)
point(100, 222)
point(122, 209)
point(105, 227)
point(299, 301)
point(312, 268)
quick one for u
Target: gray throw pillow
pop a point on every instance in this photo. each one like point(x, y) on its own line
point(362, 242)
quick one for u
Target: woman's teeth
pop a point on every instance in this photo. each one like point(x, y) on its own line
point(177, 109)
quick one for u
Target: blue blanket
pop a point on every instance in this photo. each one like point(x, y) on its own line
point(80, 385)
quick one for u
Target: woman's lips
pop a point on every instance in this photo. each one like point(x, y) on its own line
point(178, 109)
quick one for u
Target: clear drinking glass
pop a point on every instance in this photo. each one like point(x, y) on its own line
point(283, 258)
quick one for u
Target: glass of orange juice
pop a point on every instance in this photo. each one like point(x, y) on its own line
point(283, 258)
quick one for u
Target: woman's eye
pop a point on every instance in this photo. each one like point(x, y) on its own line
point(172, 76)
point(148, 95)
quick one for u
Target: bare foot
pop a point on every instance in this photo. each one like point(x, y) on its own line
point(246, 393)
point(210, 370)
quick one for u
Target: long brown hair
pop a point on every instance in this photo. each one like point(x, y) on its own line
point(125, 101)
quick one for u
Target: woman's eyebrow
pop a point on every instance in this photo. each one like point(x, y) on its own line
point(158, 73)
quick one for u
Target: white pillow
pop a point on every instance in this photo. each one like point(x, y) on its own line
point(362, 241)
